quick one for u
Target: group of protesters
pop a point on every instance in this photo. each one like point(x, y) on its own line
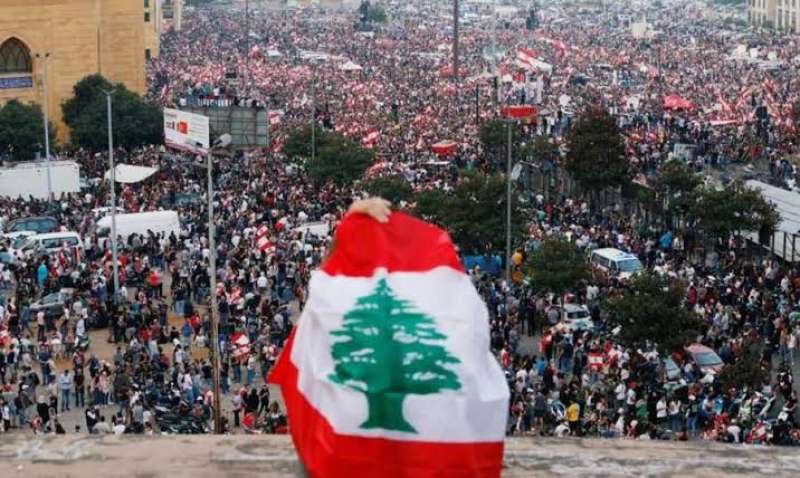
point(400, 101)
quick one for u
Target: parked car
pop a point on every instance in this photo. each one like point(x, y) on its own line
point(705, 358)
point(176, 200)
point(52, 304)
point(574, 317)
point(673, 371)
point(40, 224)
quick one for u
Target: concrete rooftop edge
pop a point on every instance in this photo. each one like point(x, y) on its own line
point(274, 456)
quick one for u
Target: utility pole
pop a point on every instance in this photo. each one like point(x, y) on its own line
point(223, 141)
point(508, 207)
point(455, 40)
point(314, 114)
point(112, 168)
point(46, 103)
point(478, 104)
point(246, 47)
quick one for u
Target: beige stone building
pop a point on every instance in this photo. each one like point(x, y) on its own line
point(71, 39)
point(787, 15)
point(761, 12)
point(783, 15)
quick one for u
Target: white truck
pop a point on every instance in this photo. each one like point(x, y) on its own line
point(139, 223)
point(30, 179)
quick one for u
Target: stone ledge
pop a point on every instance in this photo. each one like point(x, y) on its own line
point(273, 456)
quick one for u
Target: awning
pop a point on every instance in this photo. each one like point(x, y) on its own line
point(350, 66)
point(520, 111)
point(444, 148)
point(127, 173)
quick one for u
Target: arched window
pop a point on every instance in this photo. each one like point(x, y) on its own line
point(14, 57)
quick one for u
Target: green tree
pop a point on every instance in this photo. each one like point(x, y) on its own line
point(721, 212)
point(596, 155)
point(747, 370)
point(298, 142)
point(388, 350)
point(136, 122)
point(391, 188)
point(22, 131)
point(494, 137)
point(651, 310)
point(557, 266)
point(340, 160)
point(676, 185)
point(376, 14)
point(473, 212)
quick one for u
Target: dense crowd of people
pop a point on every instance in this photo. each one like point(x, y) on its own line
point(400, 101)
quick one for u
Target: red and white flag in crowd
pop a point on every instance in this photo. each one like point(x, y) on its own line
point(240, 346)
point(526, 58)
point(596, 360)
point(262, 241)
point(262, 231)
point(371, 137)
point(275, 117)
point(235, 295)
point(5, 337)
point(264, 245)
point(388, 371)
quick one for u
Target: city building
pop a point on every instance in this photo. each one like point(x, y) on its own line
point(761, 12)
point(787, 15)
point(49, 45)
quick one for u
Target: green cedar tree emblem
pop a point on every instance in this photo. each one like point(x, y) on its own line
point(387, 350)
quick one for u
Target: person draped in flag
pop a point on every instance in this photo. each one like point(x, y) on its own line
point(388, 371)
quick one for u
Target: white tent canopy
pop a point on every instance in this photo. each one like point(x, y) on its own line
point(128, 173)
point(350, 66)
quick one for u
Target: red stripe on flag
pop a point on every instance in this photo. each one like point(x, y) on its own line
point(363, 245)
point(326, 453)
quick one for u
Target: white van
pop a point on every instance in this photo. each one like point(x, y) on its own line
point(53, 242)
point(614, 262)
point(157, 222)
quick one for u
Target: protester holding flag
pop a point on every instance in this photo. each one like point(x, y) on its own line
point(389, 371)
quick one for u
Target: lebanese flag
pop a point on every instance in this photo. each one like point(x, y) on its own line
point(262, 231)
point(526, 58)
point(263, 244)
point(240, 346)
point(388, 371)
point(275, 117)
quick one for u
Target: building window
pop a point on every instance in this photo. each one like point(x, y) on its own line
point(146, 3)
point(147, 17)
point(15, 57)
point(147, 54)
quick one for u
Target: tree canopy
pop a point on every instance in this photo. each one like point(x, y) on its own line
point(557, 266)
point(338, 159)
point(22, 131)
point(651, 310)
point(676, 185)
point(746, 370)
point(596, 156)
point(721, 212)
point(136, 122)
point(494, 137)
point(391, 188)
point(473, 212)
point(298, 142)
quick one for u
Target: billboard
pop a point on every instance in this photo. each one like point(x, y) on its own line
point(186, 131)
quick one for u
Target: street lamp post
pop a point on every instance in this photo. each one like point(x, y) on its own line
point(45, 102)
point(113, 170)
point(222, 142)
point(508, 206)
point(314, 115)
